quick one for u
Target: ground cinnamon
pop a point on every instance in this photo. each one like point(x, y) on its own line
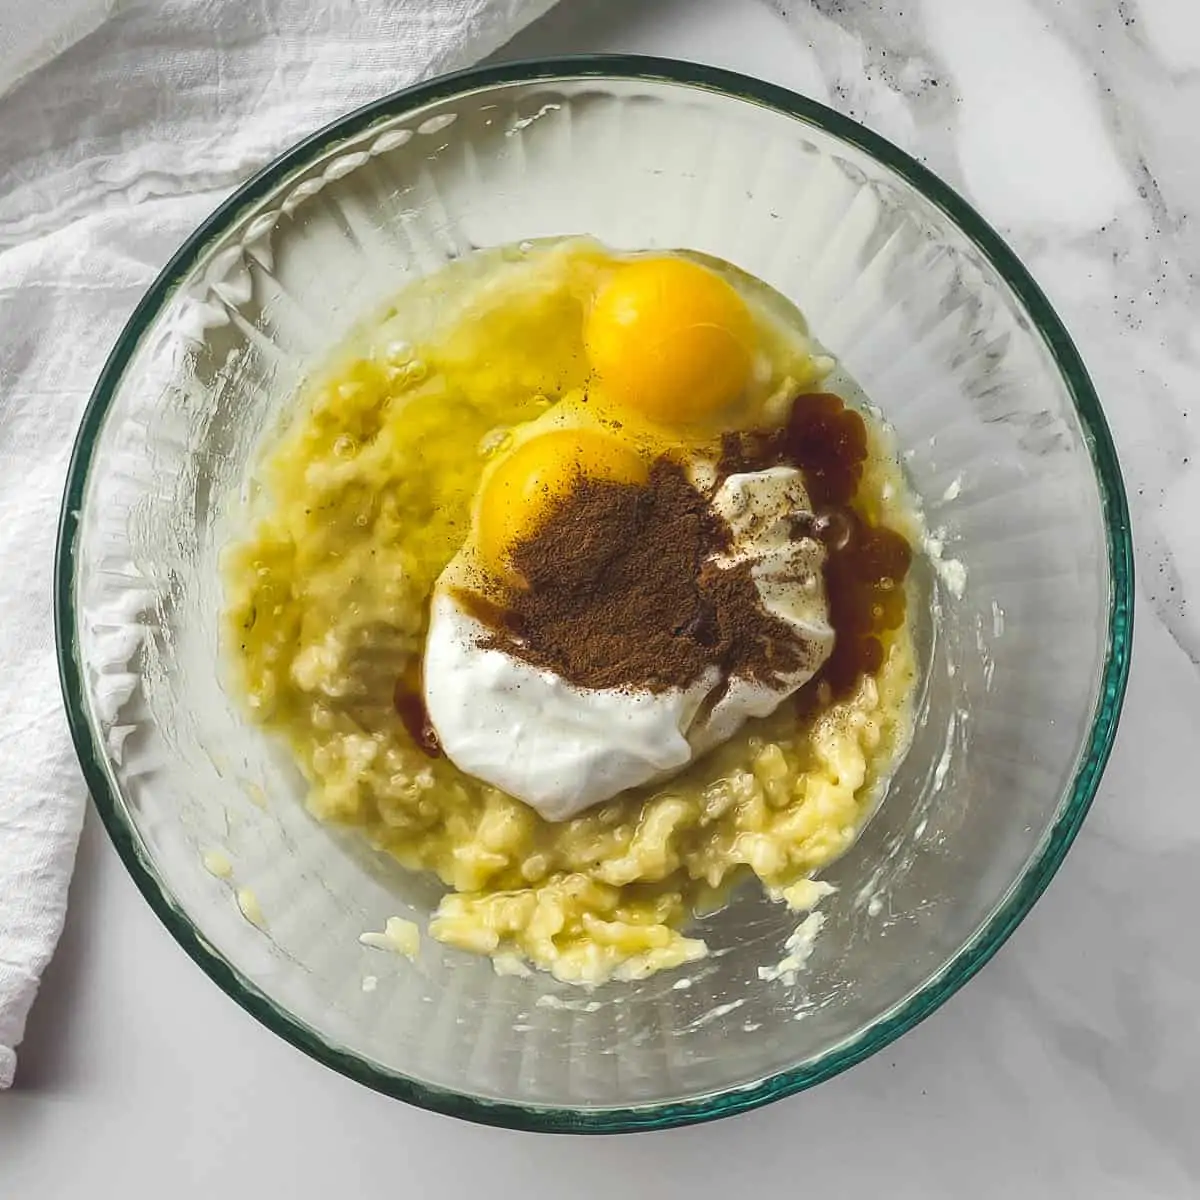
point(621, 593)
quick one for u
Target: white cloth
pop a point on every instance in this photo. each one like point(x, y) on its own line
point(112, 149)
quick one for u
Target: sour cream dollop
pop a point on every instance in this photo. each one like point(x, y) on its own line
point(562, 748)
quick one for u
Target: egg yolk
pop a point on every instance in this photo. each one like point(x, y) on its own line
point(529, 482)
point(670, 339)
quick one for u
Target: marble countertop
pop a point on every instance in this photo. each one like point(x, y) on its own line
point(1071, 1066)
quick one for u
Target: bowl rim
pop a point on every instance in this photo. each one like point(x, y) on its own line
point(968, 961)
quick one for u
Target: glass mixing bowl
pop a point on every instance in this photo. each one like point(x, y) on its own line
point(1028, 573)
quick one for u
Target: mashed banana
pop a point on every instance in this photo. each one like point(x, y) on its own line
point(364, 499)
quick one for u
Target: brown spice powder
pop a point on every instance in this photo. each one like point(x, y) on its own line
point(621, 593)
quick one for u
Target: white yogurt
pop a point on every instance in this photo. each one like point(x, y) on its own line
point(562, 748)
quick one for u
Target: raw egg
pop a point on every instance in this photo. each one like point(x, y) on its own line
point(670, 340)
point(530, 481)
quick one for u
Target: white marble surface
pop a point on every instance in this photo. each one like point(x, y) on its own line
point(1071, 1066)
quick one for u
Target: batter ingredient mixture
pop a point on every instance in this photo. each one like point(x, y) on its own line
point(568, 584)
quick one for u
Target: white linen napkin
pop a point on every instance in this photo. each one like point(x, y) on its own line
point(112, 149)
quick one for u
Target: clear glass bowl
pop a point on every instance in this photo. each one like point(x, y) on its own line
point(922, 304)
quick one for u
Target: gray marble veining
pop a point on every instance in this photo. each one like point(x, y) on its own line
point(1071, 125)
